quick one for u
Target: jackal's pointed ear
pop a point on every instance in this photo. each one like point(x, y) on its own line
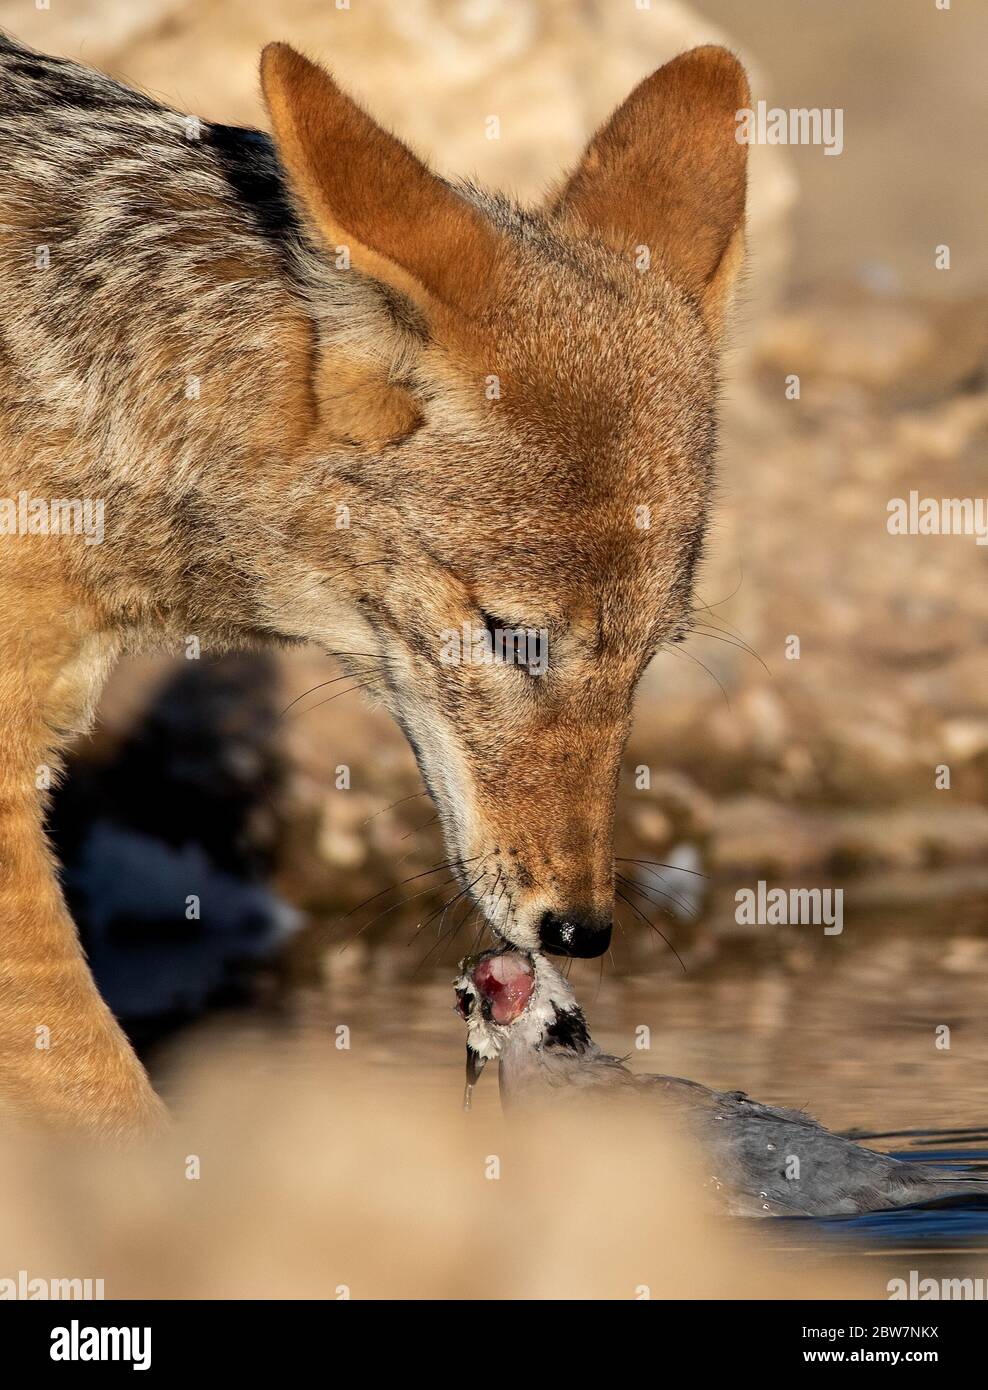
point(361, 188)
point(667, 172)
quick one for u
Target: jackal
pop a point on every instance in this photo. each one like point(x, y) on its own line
point(301, 389)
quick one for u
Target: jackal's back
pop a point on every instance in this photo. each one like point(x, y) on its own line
point(133, 239)
point(157, 322)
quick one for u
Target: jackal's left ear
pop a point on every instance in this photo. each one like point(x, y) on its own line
point(361, 188)
point(667, 172)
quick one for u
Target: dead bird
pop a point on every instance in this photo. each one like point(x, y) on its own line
point(761, 1161)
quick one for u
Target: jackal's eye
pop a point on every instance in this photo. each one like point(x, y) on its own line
point(515, 644)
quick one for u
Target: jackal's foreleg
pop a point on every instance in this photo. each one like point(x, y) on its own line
point(63, 1057)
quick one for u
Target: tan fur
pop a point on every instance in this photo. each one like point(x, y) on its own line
point(365, 389)
point(357, 406)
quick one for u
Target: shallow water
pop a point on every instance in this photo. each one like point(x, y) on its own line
point(848, 1027)
point(937, 1243)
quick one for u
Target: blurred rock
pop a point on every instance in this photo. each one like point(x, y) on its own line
point(673, 811)
point(651, 825)
point(964, 739)
point(754, 835)
point(901, 349)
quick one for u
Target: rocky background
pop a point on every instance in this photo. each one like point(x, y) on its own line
point(817, 770)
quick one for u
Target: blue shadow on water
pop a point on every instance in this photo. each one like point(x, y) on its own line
point(957, 1224)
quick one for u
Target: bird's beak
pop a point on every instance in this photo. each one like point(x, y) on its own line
point(475, 1065)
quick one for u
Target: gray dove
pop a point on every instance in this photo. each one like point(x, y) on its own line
point(760, 1160)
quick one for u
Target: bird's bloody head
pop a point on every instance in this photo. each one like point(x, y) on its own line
point(506, 981)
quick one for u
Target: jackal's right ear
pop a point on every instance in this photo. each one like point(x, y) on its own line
point(667, 172)
point(361, 188)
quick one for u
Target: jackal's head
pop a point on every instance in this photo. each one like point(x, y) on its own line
point(527, 475)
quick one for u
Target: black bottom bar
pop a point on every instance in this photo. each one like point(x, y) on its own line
point(173, 1339)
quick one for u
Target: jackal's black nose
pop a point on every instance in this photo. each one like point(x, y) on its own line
point(580, 933)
